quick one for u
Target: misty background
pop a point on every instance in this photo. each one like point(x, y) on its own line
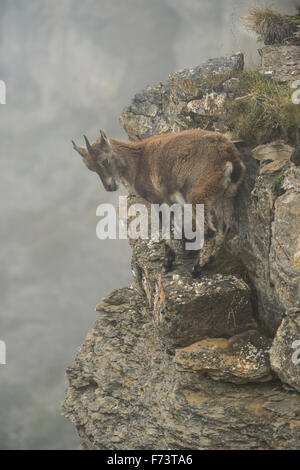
point(70, 67)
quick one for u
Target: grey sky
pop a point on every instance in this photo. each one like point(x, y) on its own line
point(70, 67)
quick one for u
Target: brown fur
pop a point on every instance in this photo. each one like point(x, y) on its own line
point(192, 162)
point(203, 167)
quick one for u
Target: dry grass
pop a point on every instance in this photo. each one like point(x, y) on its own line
point(272, 27)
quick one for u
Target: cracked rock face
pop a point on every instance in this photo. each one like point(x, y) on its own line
point(174, 362)
point(266, 234)
point(185, 101)
point(281, 61)
point(126, 391)
point(183, 309)
point(241, 359)
point(266, 230)
point(285, 351)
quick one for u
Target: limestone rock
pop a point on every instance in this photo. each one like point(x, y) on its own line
point(183, 309)
point(295, 157)
point(212, 104)
point(273, 151)
point(282, 60)
point(166, 107)
point(269, 202)
point(127, 392)
point(285, 247)
point(241, 359)
point(285, 350)
point(273, 157)
point(231, 84)
point(271, 251)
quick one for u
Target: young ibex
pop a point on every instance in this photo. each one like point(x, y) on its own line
point(193, 166)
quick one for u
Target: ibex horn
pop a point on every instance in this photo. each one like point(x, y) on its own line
point(88, 145)
point(80, 150)
point(103, 135)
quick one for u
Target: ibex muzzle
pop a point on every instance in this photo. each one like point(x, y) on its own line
point(97, 158)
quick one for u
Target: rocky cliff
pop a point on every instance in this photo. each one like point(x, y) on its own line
point(174, 362)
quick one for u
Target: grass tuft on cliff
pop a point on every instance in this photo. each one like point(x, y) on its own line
point(271, 26)
point(262, 110)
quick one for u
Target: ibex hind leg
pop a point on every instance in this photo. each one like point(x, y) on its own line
point(169, 257)
point(213, 241)
point(214, 197)
point(224, 213)
point(205, 255)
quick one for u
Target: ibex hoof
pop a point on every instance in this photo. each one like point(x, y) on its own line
point(166, 268)
point(210, 233)
point(196, 271)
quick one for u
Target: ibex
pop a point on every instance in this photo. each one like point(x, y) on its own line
point(193, 167)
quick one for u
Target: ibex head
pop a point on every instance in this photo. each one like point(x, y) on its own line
point(98, 157)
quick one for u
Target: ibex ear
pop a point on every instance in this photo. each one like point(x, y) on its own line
point(104, 139)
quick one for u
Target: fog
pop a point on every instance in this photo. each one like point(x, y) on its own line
point(70, 67)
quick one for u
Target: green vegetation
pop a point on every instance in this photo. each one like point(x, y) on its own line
point(277, 185)
point(295, 19)
point(272, 27)
point(262, 110)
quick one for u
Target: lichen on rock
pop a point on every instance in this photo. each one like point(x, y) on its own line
point(243, 358)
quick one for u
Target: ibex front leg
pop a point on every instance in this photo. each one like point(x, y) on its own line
point(206, 252)
point(170, 254)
